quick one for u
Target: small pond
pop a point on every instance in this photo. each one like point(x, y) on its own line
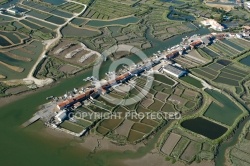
point(204, 127)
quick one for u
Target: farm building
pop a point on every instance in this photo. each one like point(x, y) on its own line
point(174, 71)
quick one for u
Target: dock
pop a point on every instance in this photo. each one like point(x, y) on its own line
point(30, 121)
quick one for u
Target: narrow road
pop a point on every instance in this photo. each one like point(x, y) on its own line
point(204, 83)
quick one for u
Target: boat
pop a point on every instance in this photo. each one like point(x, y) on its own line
point(49, 98)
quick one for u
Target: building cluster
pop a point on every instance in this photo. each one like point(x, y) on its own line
point(213, 24)
point(188, 44)
point(76, 100)
point(103, 87)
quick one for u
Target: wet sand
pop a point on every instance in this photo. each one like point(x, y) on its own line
point(156, 159)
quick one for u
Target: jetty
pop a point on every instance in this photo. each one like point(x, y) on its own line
point(30, 121)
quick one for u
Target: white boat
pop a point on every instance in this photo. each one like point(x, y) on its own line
point(50, 97)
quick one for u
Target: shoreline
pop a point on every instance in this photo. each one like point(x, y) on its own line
point(10, 99)
point(91, 142)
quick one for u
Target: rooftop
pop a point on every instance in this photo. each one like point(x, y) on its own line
point(213, 23)
point(246, 27)
point(174, 69)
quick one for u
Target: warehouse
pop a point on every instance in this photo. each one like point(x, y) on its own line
point(174, 71)
point(61, 116)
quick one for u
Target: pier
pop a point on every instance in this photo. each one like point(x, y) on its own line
point(30, 121)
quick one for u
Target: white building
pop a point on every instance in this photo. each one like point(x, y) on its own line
point(247, 4)
point(213, 24)
point(174, 71)
point(238, 35)
point(12, 11)
point(61, 116)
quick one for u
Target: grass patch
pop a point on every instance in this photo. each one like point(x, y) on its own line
point(71, 126)
point(225, 113)
point(192, 81)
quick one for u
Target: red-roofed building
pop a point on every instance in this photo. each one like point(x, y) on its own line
point(172, 54)
point(61, 105)
point(72, 101)
point(80, 97)
point(220, 36)
point(119, 78)
point(196, 43)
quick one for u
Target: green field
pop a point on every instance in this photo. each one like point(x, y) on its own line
point(156, 106)
point(111, 124)
point(242, 43)
point(203, 73)
point(150, 122)
point(79, 21)
point(164, 79)
point(30, 24)
point(142, 128)
point(119, 22)
point(30, 52)
point(223, 49)
point(42, 24)
point(102, 130)
point(222, 71)
point(134, 136)
point(168, 108)
point(55, 20)
point(38, 14)
point(180, 147)
point(246, 60)
point(190, 104)
point(224, 80)
point(106, 9)
point(227, 112)
point(71, 31)
point(192, 81)
point(83, 123)
point(191, 151)
point(71, 7)
point(71, 126)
